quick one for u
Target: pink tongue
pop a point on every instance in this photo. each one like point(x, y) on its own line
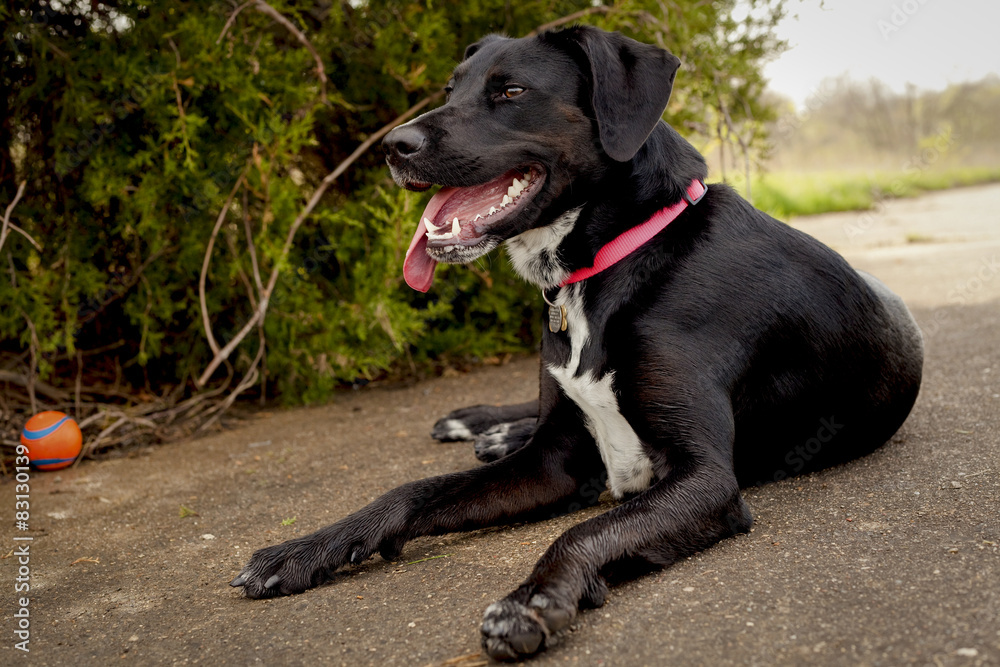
point(418, 267)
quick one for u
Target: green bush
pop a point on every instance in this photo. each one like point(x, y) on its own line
point(133, 122)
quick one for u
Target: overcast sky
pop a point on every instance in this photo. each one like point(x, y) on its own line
point(929, 43)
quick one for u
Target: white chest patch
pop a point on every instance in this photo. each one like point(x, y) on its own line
point(533, 253)
point(629, 468)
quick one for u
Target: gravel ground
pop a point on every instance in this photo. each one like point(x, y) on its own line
point(890, 560)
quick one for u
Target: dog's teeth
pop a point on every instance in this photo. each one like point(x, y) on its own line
point(506, 200)
point(432, 231)
point(455, 228)
point(477, 217)
point(493, 209)
point(516, 187)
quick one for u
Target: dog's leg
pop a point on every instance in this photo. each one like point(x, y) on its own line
point(504, 439)
point(686, 511)
point(559, 471)
point(467, 423)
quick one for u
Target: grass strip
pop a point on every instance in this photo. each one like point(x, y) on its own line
point(786, 194)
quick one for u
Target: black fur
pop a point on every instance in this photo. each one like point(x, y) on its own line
point(742, 351)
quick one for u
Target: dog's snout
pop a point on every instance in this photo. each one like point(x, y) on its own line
point(403, 143)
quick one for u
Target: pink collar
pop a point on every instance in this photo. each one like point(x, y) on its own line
point(632, 239)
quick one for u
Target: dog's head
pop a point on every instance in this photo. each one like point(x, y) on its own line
point(528, 124)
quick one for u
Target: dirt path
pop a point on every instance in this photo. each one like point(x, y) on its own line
point(894, 559)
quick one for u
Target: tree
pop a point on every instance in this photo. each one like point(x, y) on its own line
point(868, 124)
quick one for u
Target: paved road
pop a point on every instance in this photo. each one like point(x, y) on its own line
point(894, 559)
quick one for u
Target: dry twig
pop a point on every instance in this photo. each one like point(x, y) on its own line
point(208, 258)
point(267, 9)
point(9, 226)
point(248, 381)
point(86, 559)
point(265, 295)
point(232, 19)
point(251, 247)
point(40, 387)
point(569, 18)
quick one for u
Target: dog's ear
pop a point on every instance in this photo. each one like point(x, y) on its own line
point(472, 48)
point(631, 84)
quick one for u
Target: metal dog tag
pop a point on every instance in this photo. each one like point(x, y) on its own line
point(557, 318)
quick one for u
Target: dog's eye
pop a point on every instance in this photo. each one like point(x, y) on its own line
point(512, 91)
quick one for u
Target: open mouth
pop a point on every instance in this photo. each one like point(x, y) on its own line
point(455, 226)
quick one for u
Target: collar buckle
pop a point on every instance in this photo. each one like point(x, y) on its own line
point(687, 193)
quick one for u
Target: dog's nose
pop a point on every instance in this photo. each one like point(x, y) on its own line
point(403, 143)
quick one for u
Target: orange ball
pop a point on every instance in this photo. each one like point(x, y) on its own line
point(53, 440)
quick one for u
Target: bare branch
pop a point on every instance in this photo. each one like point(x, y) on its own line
point(251, 247)
point(208, 258)
point(569, 18)
point(26, 235)
point(232, 19)
point(265, 296)
point(7, 226)
point(248, 381)
point(41, 387)
point(602, 9)
point(264, 8)
point(177, 53)
point(108, 414)
point(251, 294)
point(92, 445)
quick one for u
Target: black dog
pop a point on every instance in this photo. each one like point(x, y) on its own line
point(728, 349)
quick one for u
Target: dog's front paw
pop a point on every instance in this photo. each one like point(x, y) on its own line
point(492, 443)
point(449, 429)
point(513, 630)
point(293, 566)
point(503, 439)
point(283, 569)
point(467, 423)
